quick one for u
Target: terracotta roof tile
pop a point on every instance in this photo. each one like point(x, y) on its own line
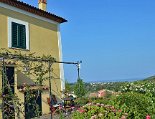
point(34, 10)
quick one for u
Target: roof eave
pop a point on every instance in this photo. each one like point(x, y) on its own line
point(34, 10)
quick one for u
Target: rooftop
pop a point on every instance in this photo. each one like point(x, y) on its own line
point(34, 10)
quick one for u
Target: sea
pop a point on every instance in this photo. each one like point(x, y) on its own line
point(115, 80)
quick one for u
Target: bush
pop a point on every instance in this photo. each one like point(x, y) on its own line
point(140, 87)
point(100, 100)
point(97, 111)
point(135, 104)
point(82, 101)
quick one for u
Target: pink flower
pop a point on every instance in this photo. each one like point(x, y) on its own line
point(114, 110)
point(148, 117)
point(81, 110)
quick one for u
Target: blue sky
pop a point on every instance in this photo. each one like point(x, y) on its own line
point(115, 39)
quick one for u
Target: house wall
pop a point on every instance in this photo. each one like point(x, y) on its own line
point(43, 40)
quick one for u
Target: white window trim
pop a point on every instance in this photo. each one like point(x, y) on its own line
point(10, 20)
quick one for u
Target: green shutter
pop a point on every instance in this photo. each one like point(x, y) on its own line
point(14, 34)
point(22, 36)
point(18, 35)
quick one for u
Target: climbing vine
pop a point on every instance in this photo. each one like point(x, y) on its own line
point(35, 68)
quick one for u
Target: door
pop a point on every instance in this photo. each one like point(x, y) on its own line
point(8, 93)
point(33, 105)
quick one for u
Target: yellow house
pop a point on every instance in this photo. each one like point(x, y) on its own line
point(30, 29)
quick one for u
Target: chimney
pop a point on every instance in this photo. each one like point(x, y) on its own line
point(42, 4)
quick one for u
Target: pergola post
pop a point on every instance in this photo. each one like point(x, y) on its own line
point(50, 87)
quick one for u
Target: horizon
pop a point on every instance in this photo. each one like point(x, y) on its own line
point(113, 80)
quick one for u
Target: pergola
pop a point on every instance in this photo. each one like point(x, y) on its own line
point(49, 60)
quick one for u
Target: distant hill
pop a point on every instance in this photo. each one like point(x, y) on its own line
point(114, 86)
point(152, 79)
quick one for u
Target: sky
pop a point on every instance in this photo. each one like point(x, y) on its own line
point(115, 39)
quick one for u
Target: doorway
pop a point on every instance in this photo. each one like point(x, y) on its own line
point(33, 105)
point(8, 93)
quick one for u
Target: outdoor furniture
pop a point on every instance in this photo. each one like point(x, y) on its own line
point(53, 104)
point(66, 107)
point(69, 104)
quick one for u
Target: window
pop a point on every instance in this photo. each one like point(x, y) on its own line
point(18, 34)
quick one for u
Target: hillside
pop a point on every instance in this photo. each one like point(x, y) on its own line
point(152, 79)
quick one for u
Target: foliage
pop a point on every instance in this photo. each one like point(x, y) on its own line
point(82, 101)
point(68, 87)
point(79, 88)
point(135, 104)
point(145, 92)
point(140, 87)
point(137, 99)
point(113, 86)
point(93, 87)
point(97, 111)
point(102, 100)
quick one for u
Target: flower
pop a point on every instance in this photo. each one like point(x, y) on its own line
point(100, 114)
point(123, 117)
point(119, 110)
point(148, 117)
point(94, 117)
point(81, 110)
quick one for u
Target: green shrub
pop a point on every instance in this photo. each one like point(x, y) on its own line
point(97, 111)
point(135, 104)
point(100, 100)
point(81, 101)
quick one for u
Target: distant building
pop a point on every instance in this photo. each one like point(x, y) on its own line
point(101, 93)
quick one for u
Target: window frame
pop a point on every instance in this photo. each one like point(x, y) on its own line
point(10, 20)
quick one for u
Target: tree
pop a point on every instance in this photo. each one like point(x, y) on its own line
point(67, 87)
point(79, 88)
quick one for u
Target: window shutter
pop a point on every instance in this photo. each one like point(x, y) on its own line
point(22, 36)
point(18, 35)
point(14, 34)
